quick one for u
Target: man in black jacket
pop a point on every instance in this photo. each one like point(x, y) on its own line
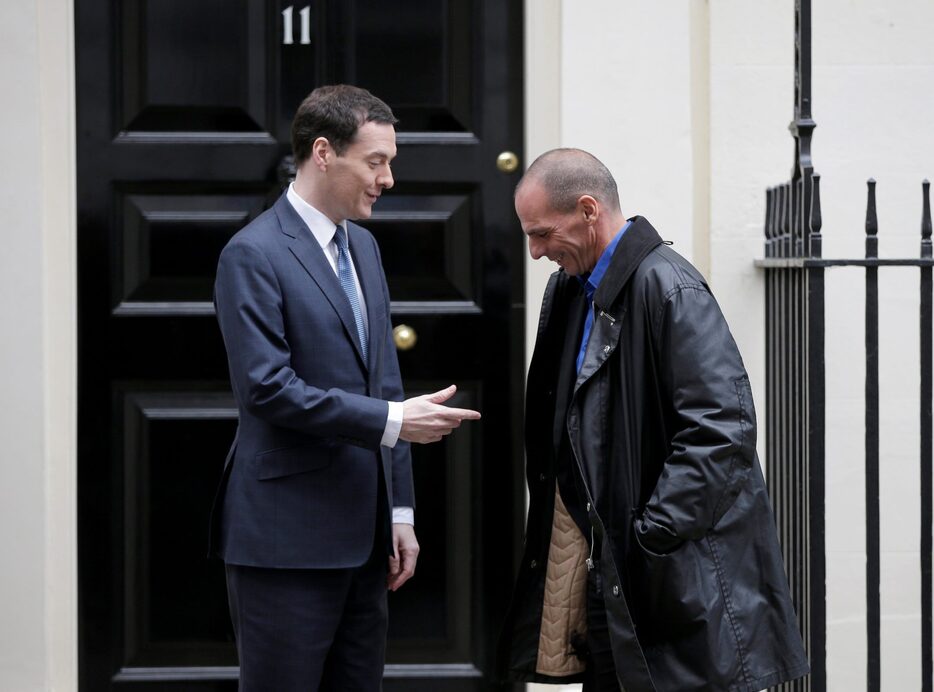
point(651, 561)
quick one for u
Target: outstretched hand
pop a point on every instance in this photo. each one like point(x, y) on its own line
point(425, 418)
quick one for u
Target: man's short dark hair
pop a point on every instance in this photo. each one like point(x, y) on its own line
point(566, 174)
point(335, 112)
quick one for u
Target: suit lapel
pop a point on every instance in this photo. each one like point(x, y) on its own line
point(307, 251)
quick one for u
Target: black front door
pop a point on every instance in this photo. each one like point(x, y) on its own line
point(184, 109)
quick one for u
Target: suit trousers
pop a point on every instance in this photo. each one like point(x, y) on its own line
point(307, 630)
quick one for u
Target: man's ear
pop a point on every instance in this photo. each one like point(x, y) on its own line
point(321, 153)
point(589, 209)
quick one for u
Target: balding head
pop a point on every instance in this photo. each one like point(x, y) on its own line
point(566, 174)
point(568, 208)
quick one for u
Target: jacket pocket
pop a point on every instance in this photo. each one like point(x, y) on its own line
point(288, 461)
point(654, 539)
point(672, 591)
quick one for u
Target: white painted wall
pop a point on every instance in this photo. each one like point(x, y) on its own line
point(38, 605)
point(751, 100)
point(615, 78)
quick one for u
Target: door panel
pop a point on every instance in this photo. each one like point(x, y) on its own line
point(427, 239)
point(426, 38)
point(193, 66)
point(430, 622)
point(168, 239)
point(184, 112)
point(167, 431)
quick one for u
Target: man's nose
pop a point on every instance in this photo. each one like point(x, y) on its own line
point(535, 249)
point(386, 180)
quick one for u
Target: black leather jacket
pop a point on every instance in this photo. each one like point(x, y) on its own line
point(662, 425)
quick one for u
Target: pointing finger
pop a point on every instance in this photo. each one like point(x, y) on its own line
point(461, 414)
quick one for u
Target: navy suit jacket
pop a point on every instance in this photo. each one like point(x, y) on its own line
point(307, 483)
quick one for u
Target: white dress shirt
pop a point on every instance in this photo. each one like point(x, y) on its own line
point(323, 230)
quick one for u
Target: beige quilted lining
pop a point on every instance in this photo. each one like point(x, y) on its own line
point(564, 611)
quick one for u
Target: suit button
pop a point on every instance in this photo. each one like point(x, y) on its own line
point(588, 506)
point(616, 590)
point(542, 477)
point(533, 564)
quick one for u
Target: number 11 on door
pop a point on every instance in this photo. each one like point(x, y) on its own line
point(287, 32)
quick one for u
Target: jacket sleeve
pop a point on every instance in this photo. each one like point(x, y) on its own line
point(403, 488)
point(705, 392)
point(248, 302)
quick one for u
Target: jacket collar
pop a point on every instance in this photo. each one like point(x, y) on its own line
point(634, 246)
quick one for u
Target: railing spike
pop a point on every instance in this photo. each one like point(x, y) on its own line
point(816, 222)
point(768, 214)
point(926, 213)
point(926, 218)
point(777, 221)
point(872, 221)
point(799, 218)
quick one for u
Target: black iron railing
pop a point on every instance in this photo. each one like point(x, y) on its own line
point(794, 439)
point(796, 397)
point(795, 422)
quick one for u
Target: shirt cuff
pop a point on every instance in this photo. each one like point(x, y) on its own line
point(403, 515)
point(393, 425)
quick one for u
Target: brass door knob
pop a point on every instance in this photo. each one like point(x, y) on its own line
point(404, 336)
point(507, 162)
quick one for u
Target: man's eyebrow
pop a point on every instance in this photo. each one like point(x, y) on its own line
point(380, 154)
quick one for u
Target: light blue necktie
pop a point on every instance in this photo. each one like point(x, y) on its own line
point(345, 275)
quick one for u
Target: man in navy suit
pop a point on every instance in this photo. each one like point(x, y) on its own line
point(315, 514)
